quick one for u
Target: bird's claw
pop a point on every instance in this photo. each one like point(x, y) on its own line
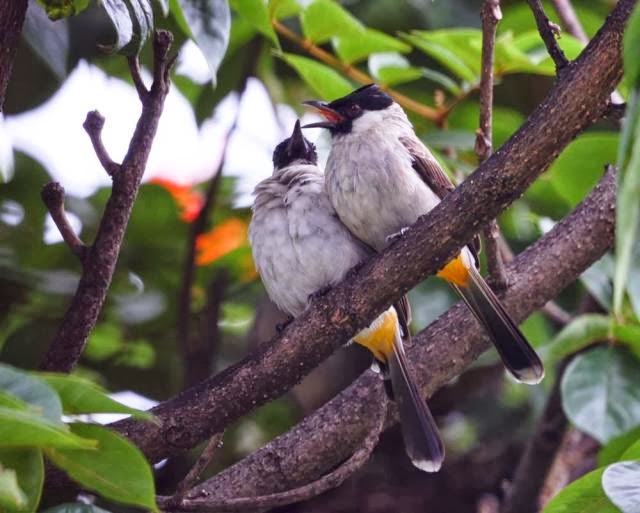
point(395, 236)
point(319, 293)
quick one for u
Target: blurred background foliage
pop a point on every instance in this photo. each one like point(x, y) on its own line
point(427, 51)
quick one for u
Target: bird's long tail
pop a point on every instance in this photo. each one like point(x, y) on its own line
point(421, 438)
point(517, 355)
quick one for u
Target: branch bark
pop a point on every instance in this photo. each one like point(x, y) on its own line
point(577, 99)
point(100, 258)
point(12, 14)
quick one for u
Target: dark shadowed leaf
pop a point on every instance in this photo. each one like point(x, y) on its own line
point(600, 394)
point(598, 280)
point(132, 21)
point(81, 396)
point(49, 40)
point(31, 390)
point(621, 483)
point(584, 495)
point(29, 469)
point(326, 82)
point(208, 23)
point(116, 470)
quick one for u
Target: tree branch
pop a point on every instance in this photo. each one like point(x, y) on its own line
point(577, 99)
point(302, 493)
point(440, 352)
point(569, 20)
point(548, 31)
point(86, 304)
point(53, 197)
point(93, 125)
point(12, 14)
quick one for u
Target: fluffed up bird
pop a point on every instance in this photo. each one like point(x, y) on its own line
point(381, 178)
point(300, 246)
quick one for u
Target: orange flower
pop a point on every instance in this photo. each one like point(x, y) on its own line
point(188, 199)
point(221, 240)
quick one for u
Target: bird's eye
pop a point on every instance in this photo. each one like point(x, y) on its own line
point(354, 109)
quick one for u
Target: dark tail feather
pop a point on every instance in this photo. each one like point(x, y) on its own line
point(421, 438)
point(517, 355)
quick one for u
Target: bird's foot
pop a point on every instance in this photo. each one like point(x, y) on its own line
point(395, 236)
point(319, 293)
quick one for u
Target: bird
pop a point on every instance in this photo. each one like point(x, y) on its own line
point(381, 178)
point(300, 247)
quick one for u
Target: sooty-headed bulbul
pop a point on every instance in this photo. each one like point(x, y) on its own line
point(381, 178)
point(300, 246)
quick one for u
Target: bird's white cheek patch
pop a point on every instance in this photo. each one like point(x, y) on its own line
point(368, 120)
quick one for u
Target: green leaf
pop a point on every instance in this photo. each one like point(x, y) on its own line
point(579, 333)
point(630, 45)
point(75, 507)
point(455, 49)
point(621, 483)
point(324, 81)
point(29, 469)
point(618, 446)
point(392, 68)
point(58, 9)
point(132, 21)
point(31, 390)
point(581, 165)
point(11, 496)
point(279, 9)
point(26, 429)
point(628, 208)
point(585, 495)
point(442, 80)
point(600, 394)
point(255, 12)
point(208, 23)
point(357, 45)
point(117, 470)
point(632, 453)
point(324, 19)
point(79, 395)
point(598, 281)
point(11, 401)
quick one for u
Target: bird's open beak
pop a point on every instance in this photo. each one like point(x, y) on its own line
point(333, 117)
point(297, 143)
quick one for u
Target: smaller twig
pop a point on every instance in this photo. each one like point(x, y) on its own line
point(569, 20)
point(134, 69)
point(196, 471)
point(162, 63)
point(556, 313)
point(548, 31)
point(302, 493)
point(53, 197)
point(93, 125)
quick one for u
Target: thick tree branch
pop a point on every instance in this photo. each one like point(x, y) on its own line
point(101, 257)
point(440, 352)
point(577, 99)
point(538, 455)
point(53, 197)
point(12, 14)
point(548, 31)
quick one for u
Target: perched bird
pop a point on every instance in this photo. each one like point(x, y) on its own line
point(380, 178)
point(300, 246)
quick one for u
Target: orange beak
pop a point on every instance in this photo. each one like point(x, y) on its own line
point(333, 117)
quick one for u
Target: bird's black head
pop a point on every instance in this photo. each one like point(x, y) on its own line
point(293, 148)
point(341, 113)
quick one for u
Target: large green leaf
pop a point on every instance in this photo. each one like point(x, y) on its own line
point(359, 44)
point(208, 23)
point(31, 390)
point(621, 483)
point(279, 9)
point(618, 446)
point(630, 45)
point(600, 392)
point(29, 469)
point(81, 396)
point(632, 452)
point(26, 429)
point(255, 12)
point(132, 21)
point(326, 82)
point(584, 495)
point(392, 68)
point(117, 470)
point(324, 19)
point(582, 331)
point(12, 498)
point(628, 207)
